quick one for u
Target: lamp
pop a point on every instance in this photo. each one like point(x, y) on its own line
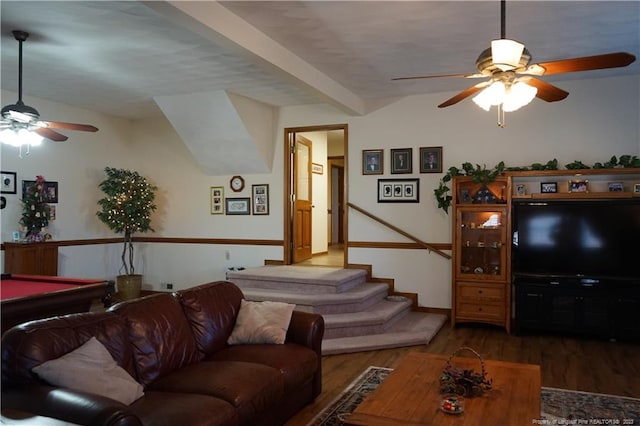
point(511, 96)
point(20, 137)
point(506, 53)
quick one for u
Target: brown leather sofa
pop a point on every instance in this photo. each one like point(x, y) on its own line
point(175, 345)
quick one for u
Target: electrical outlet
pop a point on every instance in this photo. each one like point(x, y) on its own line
point(227, 255)
point(169, 286)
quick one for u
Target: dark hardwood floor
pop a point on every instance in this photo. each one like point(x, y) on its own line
point(566, 362)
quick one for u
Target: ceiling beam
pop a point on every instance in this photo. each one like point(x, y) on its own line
point(216, 23)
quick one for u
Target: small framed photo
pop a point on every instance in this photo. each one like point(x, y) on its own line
point(580, 185)
point(521, 189)
point(401, 160)
point(260, 194)
point(238, 206)
point(372, 161)
point(398, 190)
point(616, 187)
point(465, 196)
point(8, 183)
point(317, 168)
point(50, 189)
point(636, 188)
point(217, 200)
point(549, 187)
point(431, 159)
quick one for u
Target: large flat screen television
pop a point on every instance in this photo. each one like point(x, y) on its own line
point(593, 239)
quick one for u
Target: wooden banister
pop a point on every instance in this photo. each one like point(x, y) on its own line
point(428, 246)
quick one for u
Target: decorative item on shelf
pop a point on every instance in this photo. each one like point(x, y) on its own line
point(616, 187)
point(521, 190)
point(127, 209)
point(485, 196)
point(464, 382)
point(35, 211)
point(579, 185)
point(549, 187)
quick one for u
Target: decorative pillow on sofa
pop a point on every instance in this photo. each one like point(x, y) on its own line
point(261, 322)
point(90, 368)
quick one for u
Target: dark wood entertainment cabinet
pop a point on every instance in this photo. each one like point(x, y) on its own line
point(605, 308)
point(482, 277)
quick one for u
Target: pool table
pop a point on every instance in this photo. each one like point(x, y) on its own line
point(28, 297)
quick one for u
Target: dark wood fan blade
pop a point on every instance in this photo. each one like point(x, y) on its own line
point(51, 134)
point(462, 95)
point(428, 76)
point(588, 63)
point(71, 126)
point(547, 92)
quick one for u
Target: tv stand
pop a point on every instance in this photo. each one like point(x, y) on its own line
point(598, 307)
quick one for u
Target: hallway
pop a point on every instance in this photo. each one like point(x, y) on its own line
point(334, 257)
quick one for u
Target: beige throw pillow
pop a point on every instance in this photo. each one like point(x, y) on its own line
point(261, 322)
point(90, 368)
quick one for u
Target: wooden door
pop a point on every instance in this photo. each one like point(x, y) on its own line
point(302, 200)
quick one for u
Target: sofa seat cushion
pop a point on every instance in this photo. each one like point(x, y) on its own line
point(296, 363)
point(251, 388)
point(170, 409)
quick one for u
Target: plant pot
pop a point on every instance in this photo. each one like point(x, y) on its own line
point(129, 286)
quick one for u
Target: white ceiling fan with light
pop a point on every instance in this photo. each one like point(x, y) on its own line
point(20, 124)
point(513, 81)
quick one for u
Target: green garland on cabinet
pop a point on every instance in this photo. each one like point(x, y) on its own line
point(485, 176)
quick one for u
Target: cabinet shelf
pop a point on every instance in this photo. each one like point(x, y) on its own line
point(576, 195)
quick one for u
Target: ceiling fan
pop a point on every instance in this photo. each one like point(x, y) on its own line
point(18, 121)
point(513, 82)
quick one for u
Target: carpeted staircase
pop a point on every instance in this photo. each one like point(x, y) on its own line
point(358, 315)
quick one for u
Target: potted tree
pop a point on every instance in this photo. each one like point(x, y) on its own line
point(126, 208)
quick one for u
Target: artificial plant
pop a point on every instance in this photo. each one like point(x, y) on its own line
point(483, 175)
point(126, 208)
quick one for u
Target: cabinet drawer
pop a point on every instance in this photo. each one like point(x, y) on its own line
point(480, 311)
point(480, 293)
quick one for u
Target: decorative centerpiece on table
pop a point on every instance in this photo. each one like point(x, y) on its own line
point(35, 211)
point(127, 208)
point(464, 381)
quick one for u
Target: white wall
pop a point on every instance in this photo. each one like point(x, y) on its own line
point(599, 119)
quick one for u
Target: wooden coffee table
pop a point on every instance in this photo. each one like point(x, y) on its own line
point(410, 395)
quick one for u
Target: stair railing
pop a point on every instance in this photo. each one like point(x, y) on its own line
point(428, 246)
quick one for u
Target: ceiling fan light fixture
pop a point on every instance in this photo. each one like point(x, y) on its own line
point(506, 53)
point(518, 95)
point(20, 137)
point(492, 95)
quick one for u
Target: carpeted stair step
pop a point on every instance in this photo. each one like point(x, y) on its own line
point(310, 279)
point(357, 299)
point(377, 319)
point(416, 328)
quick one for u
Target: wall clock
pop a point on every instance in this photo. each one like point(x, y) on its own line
point(237, 183)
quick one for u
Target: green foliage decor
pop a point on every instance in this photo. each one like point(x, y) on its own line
point(35, 211)
point(126, 208)
point(483, 175)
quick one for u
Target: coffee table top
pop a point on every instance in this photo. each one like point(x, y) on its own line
point(410, 395)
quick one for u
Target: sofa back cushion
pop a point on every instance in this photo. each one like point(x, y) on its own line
point(33, 343)
point(159, 334)
point(212, 310)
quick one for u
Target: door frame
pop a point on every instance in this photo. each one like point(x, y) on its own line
point(288, 216)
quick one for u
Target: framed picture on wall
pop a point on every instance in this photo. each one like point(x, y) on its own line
point(8, 182)
point(50, 189)
point(431, 159)
point(372, 161)
point(217, 200)
point(401, 160)
point(238, 206)
point(398, 190)
point(260, 194)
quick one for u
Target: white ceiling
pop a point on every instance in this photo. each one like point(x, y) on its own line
point(115, 57)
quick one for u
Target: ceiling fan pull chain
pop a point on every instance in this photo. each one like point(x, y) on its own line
point(501, 117)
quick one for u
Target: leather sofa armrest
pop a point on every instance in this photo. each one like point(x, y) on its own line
point(308, 329)
point(68, 405)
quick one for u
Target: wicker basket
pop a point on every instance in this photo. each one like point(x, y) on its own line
point(465, 382)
